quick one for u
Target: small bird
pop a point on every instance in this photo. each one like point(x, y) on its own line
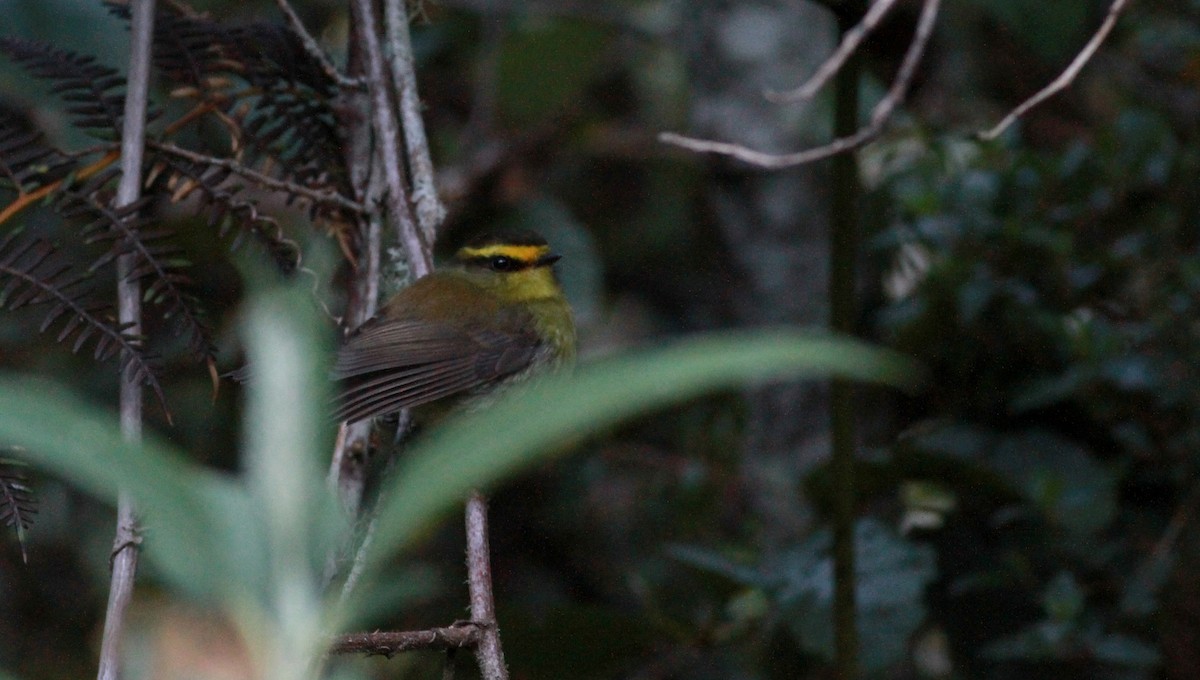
point(460, 335)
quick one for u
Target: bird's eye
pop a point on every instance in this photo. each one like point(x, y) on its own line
point(502, 263)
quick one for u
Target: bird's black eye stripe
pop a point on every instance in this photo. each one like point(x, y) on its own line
point(499, 263)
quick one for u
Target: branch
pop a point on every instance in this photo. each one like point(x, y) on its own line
point(880, 115)
point(387, 134)
point(430, 211)
point(1064, 80)
point(266, 181)
point(390, 643)
point(129, 299)
point(488, 653)
point(314, 49)
point(850, 42)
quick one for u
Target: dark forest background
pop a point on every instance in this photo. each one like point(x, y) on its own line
point(1028, 514)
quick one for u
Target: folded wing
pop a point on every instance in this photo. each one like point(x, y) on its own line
point(395, 364)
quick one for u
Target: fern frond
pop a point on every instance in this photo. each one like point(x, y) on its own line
point(18, 504)
point(226, 210)
point(96, 93)
point(293, 118)
point(26, 163)
point(282, 114)
point(34, 275)
point(158, 259)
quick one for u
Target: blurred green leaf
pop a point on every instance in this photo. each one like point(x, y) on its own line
point(892, 575)
point(480, 448)
point(1122, 650)
point(1061, 477)
point(1063, 599)
point(83, 444)
point(288, 436)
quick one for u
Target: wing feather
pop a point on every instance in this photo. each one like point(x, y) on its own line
point(395, 364)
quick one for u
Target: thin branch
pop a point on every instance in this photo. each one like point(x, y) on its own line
point(266, 181)
point(129, 299)
point(314, 49)
point(429, 209)
point(488, 653)
point(1068, 76)
point(387, 135)
point(390, 643)
point(880, 115)
point(850, 42)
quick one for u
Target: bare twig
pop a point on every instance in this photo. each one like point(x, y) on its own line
point(429, 208)
point(488, 652)
point(387, 135)
point(880, 115)
point(314, 49)
point(129, 306)
point(850, 42)
point(390, 643)
point(266, 181)
point(1068, 76)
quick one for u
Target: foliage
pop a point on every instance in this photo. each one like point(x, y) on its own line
point(1048, 281)
point(797, 585)
point(261, 88)
point(1048, 293)
point(18, 505)
point(254, 543)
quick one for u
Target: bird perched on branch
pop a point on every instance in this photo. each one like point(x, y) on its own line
point(459, 335)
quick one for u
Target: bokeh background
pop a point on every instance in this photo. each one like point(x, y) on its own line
point(1029, 514)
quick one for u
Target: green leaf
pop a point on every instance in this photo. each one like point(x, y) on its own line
point(892, 575)
point(557, 412)
point(83, 444)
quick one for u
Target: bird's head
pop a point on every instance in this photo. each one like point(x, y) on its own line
point(516, 265)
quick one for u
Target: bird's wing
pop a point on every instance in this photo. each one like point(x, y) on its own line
point(395, 364)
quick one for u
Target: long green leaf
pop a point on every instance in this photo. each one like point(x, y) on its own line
point(480, 448)
point(83, 444)
point(288, 437)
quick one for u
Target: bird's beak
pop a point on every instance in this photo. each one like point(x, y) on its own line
point(548, 259)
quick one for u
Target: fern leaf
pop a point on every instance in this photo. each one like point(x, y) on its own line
point(282, 117)
point(96, 93)
point(34, 275)
point(18, 504)
point(26, 163)
point(219, 196)
point(157, 261)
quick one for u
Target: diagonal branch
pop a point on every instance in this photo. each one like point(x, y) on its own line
point(880, 115)
point(850, 42)
point(1067, 77)
point(266, 181)
point(314, 49)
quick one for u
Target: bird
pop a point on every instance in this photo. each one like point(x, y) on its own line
point(457, 338)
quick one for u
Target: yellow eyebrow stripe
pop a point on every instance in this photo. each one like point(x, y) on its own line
point(519, 253)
